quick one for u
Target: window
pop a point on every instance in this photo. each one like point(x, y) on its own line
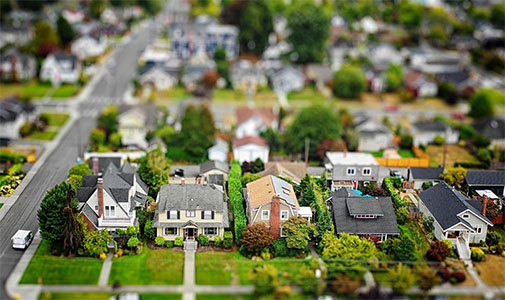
point(285, 190)
point(478, 229)
point(96, 207)
point(171, 231)
point(265, 215)
point(112, 211)
point(465, 216)
point(190, 213)
point(107, 211)
point(282, 232)
point(367, 171)
point(207, 215)
point(284, 214)
point(211, 231)
point(351, 171)
point(173, 214)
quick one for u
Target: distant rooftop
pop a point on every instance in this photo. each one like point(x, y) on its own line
point(351, 158)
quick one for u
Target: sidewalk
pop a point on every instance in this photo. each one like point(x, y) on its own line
point(104, 273)
point(189, 275)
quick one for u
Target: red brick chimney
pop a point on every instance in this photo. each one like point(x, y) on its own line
point(484, 205)
point(101, 207)
point(275, 217)
point(182, 181)
point(95, 166)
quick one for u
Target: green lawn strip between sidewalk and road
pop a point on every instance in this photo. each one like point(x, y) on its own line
point(102, 296)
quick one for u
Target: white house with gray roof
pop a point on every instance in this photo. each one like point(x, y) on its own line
point(60, 68)
point(350, 169)
point(455, 219)
point(188, 210)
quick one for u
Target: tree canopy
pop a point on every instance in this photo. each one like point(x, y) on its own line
point(255, 26)
point(482, 104)
point(394, 77)
point(197, 132)
point(45, 39)
point(299, 232)
point(349, 82)
point(154, 170)
point(65, 31)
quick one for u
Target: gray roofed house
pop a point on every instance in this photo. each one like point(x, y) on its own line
point(13, 114)
point(188, 210)
point(211, 172)
point(15, 65)
point(364, 216)
point(424, 132)
point(99, 164)
point(455, 219)
point(486, 180)
point(135, 122)
point(419, 175)
point(373, 135)
point(60, 68)
point(492, 128)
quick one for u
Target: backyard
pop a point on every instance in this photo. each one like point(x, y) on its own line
point(454, 154)
point(61, 270)
point(163, 266)
point(233, 267)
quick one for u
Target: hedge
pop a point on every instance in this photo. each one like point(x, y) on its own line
point(389, 185)
point(14, 158)
point(235, 194)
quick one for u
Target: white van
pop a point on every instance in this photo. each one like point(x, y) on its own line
point(22, 239)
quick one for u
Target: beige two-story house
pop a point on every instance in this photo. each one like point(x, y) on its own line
point(188, 210)
point(271, 201)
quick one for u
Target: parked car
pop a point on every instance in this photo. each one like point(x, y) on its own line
point(22, 239)
point(126, 296)
point(395, 173)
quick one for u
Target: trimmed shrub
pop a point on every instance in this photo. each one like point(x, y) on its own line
point(235, 194)
point(159, 241)
point(203, 240)
point(14, 158)
point(228, 239)
point(179, 241)
point(217, 241)
point(439, 140)
point(169, 244)
point(389, 184)
point(439, 251)
point(426, 185)
point(478, 254)
point(459, 276)
point(492, 238)
point(401, 215)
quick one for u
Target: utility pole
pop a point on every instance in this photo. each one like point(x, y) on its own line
point(307, 146)
point(445, 147)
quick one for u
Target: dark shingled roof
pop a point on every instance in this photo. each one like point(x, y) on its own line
point(190, 196)
point(104, 162)
point(364, 206)
point(345, 223)
point(432, 126)
point(445, 203)
point(480, 177)
point(491, 128)
point(426, 173)
point(214, 165)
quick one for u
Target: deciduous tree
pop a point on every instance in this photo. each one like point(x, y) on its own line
point(65, 31)
point(299, 231)
point(154, 170)
point(401, 278)
point(438, 251)
point(455, 177)
point(255, 26)
point(483, 101)
point(349, 82)
point(256, 237)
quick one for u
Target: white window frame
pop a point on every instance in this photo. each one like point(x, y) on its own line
point(207, 214)
point(287, 215)
point(367, 169)
point(350, 169)
point(282, 232)
point(263, 217)
point(107, 211)
point(112, 211)
point(167, 234)
point(173, 214)
point(205, 231)
point(190, 213)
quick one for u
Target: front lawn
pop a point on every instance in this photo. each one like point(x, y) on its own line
point(163, 266)
point(28, 90)
point(233, 267)
point(55, 122)
point(46, 135)
point(491, 270)
point(56, 119)
point(379, 153)
point(102, 296)
point(65, 91)
point(406, 153)
point(61, 270)
point(306, 96)
point(455, 153)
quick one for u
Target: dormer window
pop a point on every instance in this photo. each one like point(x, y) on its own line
point(465, 216)
point(351, 171)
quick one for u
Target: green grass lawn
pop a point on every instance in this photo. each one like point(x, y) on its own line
point(308, 94)
point(379, 153)
point(1, 204)
point(55, 122)
point(33, 89)
point(406, 153)
point(65, 91)
point(56, 119)
point(149, 267)
point(412, 229)
point(455, 154)
point(61, 270)
point(103, 296)
point(233, 267)
point(47, 135)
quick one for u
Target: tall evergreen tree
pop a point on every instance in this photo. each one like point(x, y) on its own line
point(72, 231)
point(197, 132)
point(65, 31)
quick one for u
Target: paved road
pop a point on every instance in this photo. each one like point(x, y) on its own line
point(23, 214)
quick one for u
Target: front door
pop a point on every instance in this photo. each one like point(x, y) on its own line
point(190, 233)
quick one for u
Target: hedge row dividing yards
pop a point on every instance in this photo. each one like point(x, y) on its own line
point(235, 194)
point(390, 183)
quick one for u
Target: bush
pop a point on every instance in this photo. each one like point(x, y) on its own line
point(426, 185)
point(217, 241)
point(404, 248)
point(459, 276)
point(26, 129)
point(471, 165)
point(439, 251)
point(401, 215)
point(159, 241)
point(203, 240)
point(256, 237)
point(15, 158)
point(228, 239)
point(406, 141)
point(133, 242)
point(235, 194)
point(103, 256)
point(444, 273)
point(478, 254)
point(493, 238)
point(169, 244)
point(149, 230)
point(389, 186)
point(179, 241)
point(428, 224)
point(439, 140)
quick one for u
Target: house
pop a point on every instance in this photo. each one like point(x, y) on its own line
point(244, 74)
point(73, 16)
point(419, 85)
point(158, 77)
point(485, 180)
point(250, 148)
point(13, 114)
point(135, 122)
point(368, 25)
point(270, 201)
point(188, 210)
point(219, 35)
point(109, 201)
point(463, 82)
point(219, 151)
point(99, 164)
point(287, 79)
point(373, 135)
point(419, 175)
point(187, 174)
point(382, 55)
point(252, 121)
point(88, 46)
point(455, 219)
point(493, 128)
point(294, 171)
point(16, 35)
point(60, 68)
point(350, 169)
point(371, 217)
point(424, 132)
point(16, 66)
point(319, 74)
point(434, 62)
point(209, 172)
point(375, 80)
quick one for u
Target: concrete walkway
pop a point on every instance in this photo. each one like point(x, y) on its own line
point(104, 273)
point(189, 275)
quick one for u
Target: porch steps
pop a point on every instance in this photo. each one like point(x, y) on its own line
point(190, 244)
point(463, 249)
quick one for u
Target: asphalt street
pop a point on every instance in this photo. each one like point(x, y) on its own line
point(111, 87)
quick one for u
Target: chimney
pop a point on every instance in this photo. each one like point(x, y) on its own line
point(275, 216)
point(95, 166)
point(484, 205)
point(101, 207)
point(182, 181)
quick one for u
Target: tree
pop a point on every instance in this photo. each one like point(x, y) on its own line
point(108, 119)
point(207, 7)
point(426, 185)
point(497, 15)
point(265, 279)
point(482, 103)
point(438, 251)
point(401, 279)
point(152, 7)
point(315, 123)
point(249, 177)
point(345, 285)
point(403, 248)
point(154, 170)
point(466, 132)
point(255, 24)
point(406, 141)
point(45, 39)
point(197, 132)
point(255, 238)
point(308, 198)
point(50, 213)
point(299, 231)
point(427, 278)
point(447, 91)
point(149, 230)
point(330, 145)
point(96, 7)
point(33, 5)
point(481, 141)
point(394, 77)
point(258, 165)
point(273, 139)
point(80, 170)
point(401, 215)
point(455, 176)
point(309, 28)
point(410, 15)
point(351, 138)
point(236, 202)
point(222, 64)
point(97, 137)
point(72, 230)
point(115, 140)
point(133, 242)
point(349, 82)
point(95, 242)
point(65, 31)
